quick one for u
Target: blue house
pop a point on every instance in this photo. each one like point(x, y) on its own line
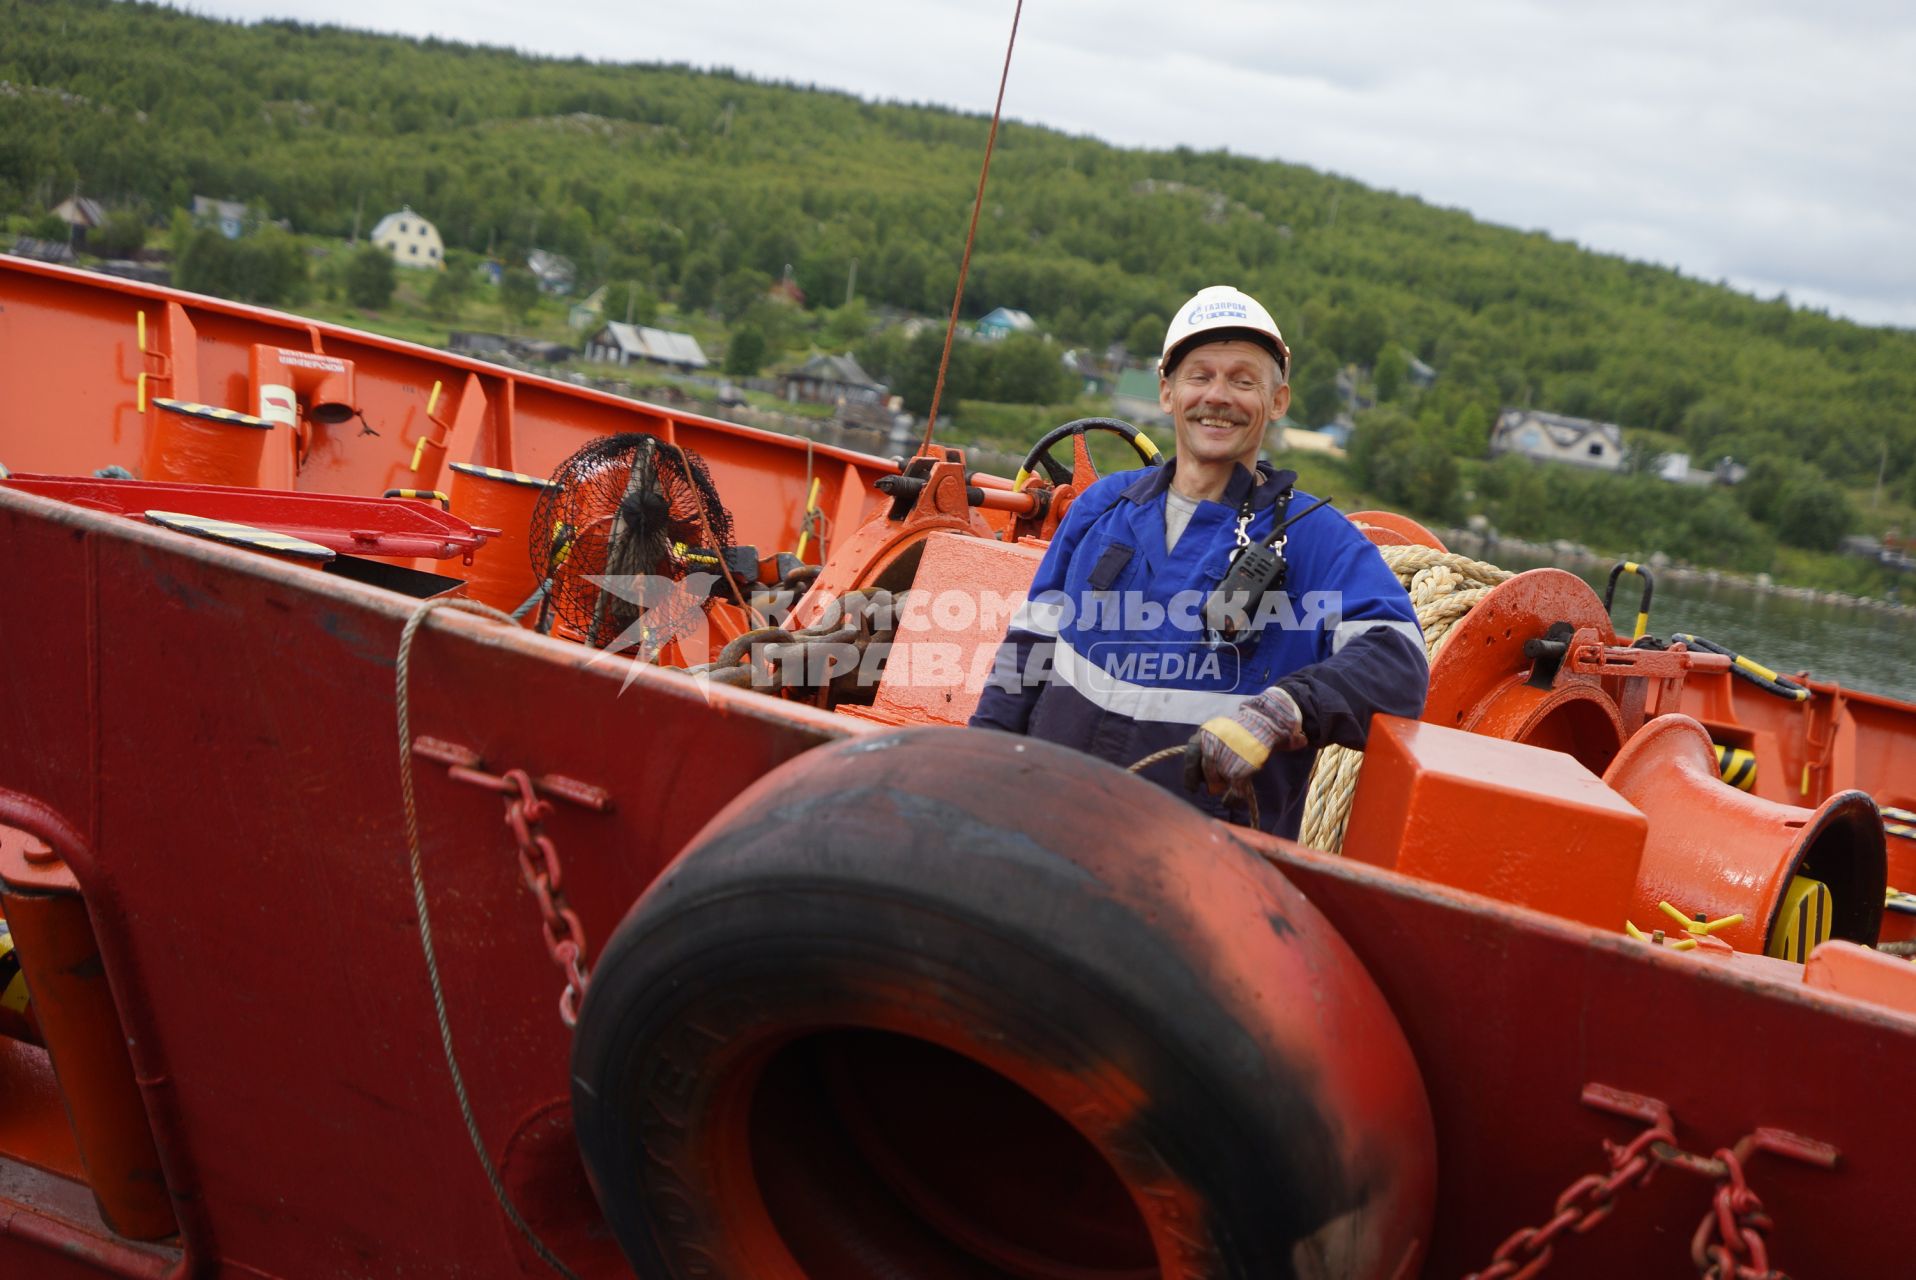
point(1005, 321)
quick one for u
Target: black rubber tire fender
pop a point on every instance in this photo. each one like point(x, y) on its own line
point(1080, 980)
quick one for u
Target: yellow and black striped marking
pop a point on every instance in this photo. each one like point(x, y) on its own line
point(211, 413)
point(1736, 766)
point(494, 473)
point(13, 983)
point(241, 535)
point(1896, 900)
point(421, 495)
point(1804, 921)
point(1899, 822)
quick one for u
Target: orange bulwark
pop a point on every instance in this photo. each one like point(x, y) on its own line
point(865, 994)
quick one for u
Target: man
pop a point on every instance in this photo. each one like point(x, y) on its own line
point(1112, 653)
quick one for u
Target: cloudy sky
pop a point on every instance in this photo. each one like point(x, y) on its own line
point(1769, 144)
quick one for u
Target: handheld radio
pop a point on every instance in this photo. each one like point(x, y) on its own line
point(1255, 570)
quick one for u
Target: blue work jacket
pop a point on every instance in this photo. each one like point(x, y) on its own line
point(1109, 653)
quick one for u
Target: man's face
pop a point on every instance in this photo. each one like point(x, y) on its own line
point(1220, 397)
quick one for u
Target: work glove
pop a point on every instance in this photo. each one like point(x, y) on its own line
point(1228, 751)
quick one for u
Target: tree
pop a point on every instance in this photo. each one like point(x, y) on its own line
point(698, 284)
point(630, 301)
point(448, 288)
point(122, 235)
point(518, 294)
point(1811, 512)
point(268, 267)
point(847, 325)
point(738, 291)
point(1025, 369)
point(1145, 338)
point(1393, 372)
point(746, 354)
point(370, 278)
point(1404, 462)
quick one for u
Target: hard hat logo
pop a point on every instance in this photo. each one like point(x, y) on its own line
point(1220, 313)
point(1216, 311)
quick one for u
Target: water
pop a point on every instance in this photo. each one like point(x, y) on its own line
point(1860, 648)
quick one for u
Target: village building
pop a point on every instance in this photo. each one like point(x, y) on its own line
point(227, 216)
point(55, 251)
point(81, 215)
point(1002, 322)
point(861, 399)
point(1556, 437)
point(411, 240)
point(1136, 399)
point(827, 379)
point(1085, 367)
point(554, 272)
point(620, 343)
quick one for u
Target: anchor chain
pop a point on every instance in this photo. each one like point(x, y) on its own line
point(1583, 1204)
point(1731, 1241)
point(526, 811)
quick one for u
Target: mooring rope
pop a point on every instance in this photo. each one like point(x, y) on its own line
point(1443, 588)
point(403, 699)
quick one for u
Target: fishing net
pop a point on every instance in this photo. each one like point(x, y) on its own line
point(626, 520)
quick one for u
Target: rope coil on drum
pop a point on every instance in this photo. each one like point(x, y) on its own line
point(1443, 587)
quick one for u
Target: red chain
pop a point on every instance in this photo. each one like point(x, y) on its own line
point(1729, 1243)
point(1583, 1204)
point(539, 865)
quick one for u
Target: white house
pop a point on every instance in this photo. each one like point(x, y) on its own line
point(620, 343)
point(1555, 437)
point(411, 240)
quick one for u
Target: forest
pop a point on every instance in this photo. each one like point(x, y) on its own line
point(702, 188)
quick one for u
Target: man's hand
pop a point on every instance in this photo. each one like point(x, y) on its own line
point(1231, 749)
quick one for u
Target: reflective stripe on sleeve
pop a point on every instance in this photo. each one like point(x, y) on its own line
point(1349, 631)
point(1146, 703)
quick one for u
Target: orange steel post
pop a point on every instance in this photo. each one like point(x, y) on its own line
point(1715, 852)
point(203, 444)
point(1560, 841)
point(301, 389)
point(81, 1030)
point(501, 573)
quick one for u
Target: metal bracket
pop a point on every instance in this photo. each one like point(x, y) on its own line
point(466, 765)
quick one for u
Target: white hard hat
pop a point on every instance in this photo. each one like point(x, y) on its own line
point(1220, 314)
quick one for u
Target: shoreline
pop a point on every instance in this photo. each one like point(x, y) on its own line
point(1485, 544)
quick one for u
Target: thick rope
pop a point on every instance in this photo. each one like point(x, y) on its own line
point(964, 265)
point(1443, 588)
point(404, 699)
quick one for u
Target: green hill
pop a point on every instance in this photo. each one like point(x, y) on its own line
point(693, 184)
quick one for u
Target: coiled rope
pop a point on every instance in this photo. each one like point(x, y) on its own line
point(1443, 588)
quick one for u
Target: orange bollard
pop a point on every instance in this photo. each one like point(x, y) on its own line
point(80, 1027)
point(501, 573)
point(204, 444)
point(1715, 852)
